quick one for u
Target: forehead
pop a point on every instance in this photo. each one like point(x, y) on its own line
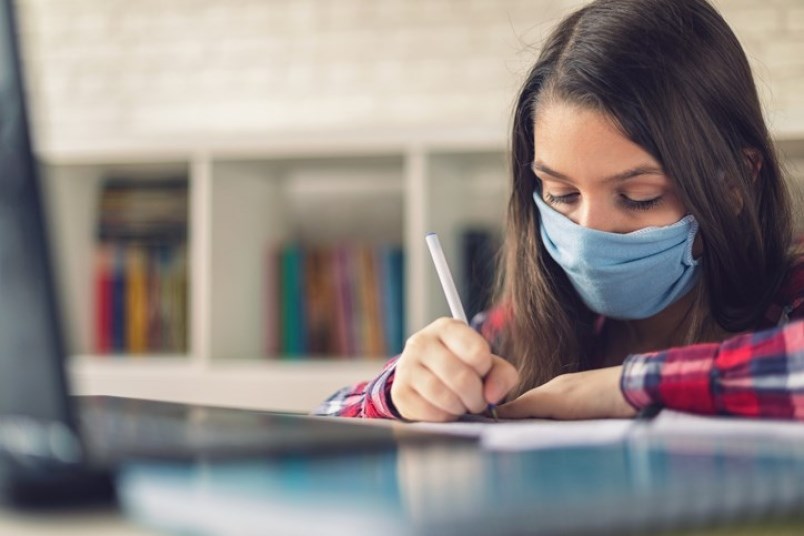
point(579, 138)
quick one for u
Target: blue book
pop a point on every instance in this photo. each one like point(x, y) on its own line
point(292, 298)
point(119, 299)
point(393, 298)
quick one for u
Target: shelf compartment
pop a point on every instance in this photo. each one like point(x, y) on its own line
point(261, 205)
point(71, 201)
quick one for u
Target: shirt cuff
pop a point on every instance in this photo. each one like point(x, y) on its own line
point(677, 380)
point(378, 401)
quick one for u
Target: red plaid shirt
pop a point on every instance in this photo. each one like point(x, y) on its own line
point(754, 374)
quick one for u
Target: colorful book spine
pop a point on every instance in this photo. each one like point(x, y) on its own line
point(345, 300)
point(136, 300)
point(178, 284)
point(373, 327)
point(342, 309)
point(155, 316)
point(292, 295)
point(118, 293)
point(394, 292)
point(104, 262)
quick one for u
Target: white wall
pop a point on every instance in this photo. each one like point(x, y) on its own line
point(134, 69)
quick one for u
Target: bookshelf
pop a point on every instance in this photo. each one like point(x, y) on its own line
point(243, 195)
point(246, 192)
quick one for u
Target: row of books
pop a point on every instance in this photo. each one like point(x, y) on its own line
point(345, 300)
point(140, 274)
point(143, 210)
point(140, 299)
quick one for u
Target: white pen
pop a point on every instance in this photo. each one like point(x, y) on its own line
point(453, 299)
point(448, 284)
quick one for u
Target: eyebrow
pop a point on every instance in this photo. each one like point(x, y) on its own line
point(624, 175)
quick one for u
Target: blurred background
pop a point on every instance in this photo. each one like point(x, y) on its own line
point(238, 190)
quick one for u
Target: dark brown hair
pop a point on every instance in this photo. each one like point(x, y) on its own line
point(674, 78)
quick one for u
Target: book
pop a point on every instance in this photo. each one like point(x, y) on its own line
point(292, 317)
point(136, 300)
point(104, 268)
point(394, 304)
point(118, 294)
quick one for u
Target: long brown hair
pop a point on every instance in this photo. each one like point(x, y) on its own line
point(674, 78)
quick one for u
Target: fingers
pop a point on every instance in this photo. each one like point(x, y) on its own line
point(415, 407)
point(501, 378)
point(464, 342)
point(458, 377)
point(447, 369)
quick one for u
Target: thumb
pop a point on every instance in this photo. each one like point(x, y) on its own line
point(521, 408)
point(500, 379)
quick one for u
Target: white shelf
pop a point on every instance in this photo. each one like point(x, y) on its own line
point(358, 143)
point(254, 384)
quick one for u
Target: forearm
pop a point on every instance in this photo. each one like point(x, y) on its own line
point(757, 374)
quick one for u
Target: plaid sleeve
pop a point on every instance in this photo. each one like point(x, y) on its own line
point(371, 400)
point(755, 374)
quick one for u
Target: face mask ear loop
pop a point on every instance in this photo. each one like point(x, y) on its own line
point(689, 260)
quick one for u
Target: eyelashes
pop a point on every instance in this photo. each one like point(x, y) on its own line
point(560, 199)
point(646, 204)
point(626, 202)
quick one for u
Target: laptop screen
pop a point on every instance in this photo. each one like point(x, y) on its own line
point(33, 401)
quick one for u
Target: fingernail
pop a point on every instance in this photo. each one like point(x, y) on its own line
point(492, 389)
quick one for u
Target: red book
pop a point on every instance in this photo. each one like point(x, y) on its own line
point(103, 300)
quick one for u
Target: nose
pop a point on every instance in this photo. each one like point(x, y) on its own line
point(595, 216)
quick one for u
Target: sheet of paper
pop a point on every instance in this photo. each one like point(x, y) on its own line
point(550, 434)
point(533, 433)
point(537, 433)
point(675, 423)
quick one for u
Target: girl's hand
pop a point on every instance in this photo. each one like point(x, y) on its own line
point(591, 394)
point(447, 369)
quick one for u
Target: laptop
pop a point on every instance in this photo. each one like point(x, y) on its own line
point(54, 447)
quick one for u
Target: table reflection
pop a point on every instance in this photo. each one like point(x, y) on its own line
point(638, 485)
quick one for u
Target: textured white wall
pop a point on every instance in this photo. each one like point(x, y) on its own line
point(144, 69)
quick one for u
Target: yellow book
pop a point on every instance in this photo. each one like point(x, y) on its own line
point(136, 300)
point(372, 321)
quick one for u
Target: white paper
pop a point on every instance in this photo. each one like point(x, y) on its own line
point(551, 434)
point(676, 423)
point(534, 433)
point(511, 435)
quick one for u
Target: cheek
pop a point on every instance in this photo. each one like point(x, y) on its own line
point(673, 210)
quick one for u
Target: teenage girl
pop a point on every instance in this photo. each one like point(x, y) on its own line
point(648, 250)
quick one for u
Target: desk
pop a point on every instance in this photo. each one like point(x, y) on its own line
point(111, 523)
point(441, 489)
point(635, 487)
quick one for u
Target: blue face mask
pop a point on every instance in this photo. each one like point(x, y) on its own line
point(626, 276)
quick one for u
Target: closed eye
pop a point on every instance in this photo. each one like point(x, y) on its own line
point(565, 199)
point(646, 204)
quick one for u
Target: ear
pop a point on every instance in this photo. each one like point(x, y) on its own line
point(753, 160)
